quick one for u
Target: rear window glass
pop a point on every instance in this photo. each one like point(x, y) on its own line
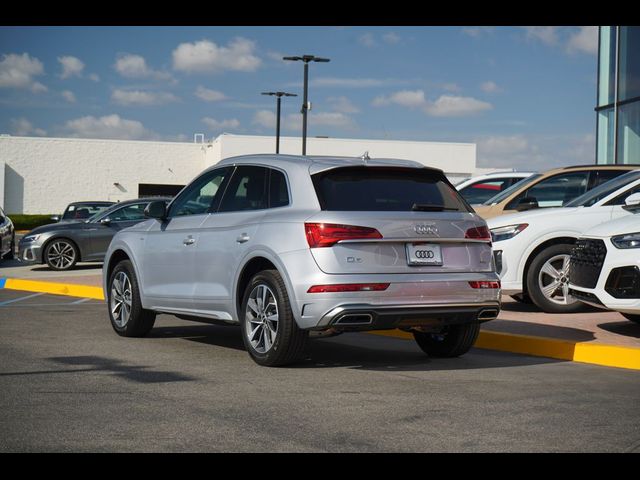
point(385, 189)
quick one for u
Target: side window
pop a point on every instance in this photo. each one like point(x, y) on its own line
point(483, 190)
point(556, 190)
point(278, 192)
point(600, 176)
point(201, 196)
point(247, 190)
point(128, 213)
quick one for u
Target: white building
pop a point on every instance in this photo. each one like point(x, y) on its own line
point(43, 175)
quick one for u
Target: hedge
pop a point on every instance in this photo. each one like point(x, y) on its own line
point(29, 222)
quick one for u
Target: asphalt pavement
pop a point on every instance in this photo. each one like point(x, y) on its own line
point(69, 383)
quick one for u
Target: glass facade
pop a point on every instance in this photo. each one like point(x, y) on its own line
point(618, 96)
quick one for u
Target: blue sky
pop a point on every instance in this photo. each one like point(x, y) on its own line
point(524, 95)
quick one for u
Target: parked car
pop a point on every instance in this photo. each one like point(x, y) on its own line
point(477, 190)
point(82, 210)
point(283, 245)
point(532, 248)
point(61, 245)
point(553, 188)
point(605, 264)
point(7, 237)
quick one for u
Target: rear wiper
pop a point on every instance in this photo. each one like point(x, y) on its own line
point(427, 207)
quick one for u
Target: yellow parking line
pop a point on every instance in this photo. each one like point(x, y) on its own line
point(593, 353)
point(69, 289)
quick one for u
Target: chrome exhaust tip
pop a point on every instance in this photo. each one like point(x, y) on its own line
point(355, 319)
point(488, 314)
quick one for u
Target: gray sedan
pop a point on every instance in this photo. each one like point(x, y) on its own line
point(61, 245)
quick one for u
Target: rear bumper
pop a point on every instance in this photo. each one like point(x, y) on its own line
point(354, 317)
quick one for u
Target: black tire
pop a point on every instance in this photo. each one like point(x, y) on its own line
point(58, 241)
point(631, 317)
point(140, 321)
point(533, 289)
point(10, 254)
point(453, 341)
point(290, 341)
point(522, 298)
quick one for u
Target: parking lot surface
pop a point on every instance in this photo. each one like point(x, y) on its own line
point(70, 383)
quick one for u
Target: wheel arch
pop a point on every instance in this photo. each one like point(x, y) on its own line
point(60, 236)
point(539, 248)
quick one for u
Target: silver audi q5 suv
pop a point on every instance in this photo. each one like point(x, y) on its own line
point(287, 245)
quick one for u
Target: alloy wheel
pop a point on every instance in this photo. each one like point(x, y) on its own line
point(553, 280)
point(120, 302)
point(61, 254)
point(261, 318)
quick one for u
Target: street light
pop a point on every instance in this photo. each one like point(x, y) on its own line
point(305, 103)
point(279, 96)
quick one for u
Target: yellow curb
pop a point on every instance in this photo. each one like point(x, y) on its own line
point(593, 353)
point(69, 289)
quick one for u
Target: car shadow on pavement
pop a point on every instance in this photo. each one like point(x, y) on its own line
point(134, 373)
point(92, 266)
point(553, 332)
point(513, 306)
point(626, 328)
point(357, 351)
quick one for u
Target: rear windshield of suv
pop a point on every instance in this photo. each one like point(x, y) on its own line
point(398, 189)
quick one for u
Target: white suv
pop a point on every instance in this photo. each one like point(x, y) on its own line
point(284, 245)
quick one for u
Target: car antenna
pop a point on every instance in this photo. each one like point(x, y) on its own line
point(365, 156)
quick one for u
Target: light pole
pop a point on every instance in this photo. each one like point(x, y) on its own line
point(279, 96)
point(305, 102)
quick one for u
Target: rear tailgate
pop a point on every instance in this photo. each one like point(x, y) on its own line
point(404, 233)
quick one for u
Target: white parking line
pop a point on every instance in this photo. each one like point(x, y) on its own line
point(82, 300)
point(6, 302)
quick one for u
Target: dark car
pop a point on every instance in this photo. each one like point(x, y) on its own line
point(82, 210)
point(7, 237)
point(61, 245)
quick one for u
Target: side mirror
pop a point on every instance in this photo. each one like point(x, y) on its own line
point(106, 221)
point(55, 218)
point(157, 210)
point(527, 203)
point(632, 202)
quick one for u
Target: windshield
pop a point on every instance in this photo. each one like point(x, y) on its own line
point(84, 211)
point(513, 188)
point(102, 211)
point(604, 190)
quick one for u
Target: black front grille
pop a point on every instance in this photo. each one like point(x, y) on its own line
point(587, 258)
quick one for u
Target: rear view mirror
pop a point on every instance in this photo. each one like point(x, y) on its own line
point(105, 221)
point(55, 218)
point(157, 210)
point(632, 202)
point(527, 203)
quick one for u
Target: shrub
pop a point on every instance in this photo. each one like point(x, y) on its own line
point(29, 222)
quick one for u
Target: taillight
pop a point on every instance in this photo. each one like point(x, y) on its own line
point(348, 287)
point(478, 233)
point(328, 234)
point(485, 284)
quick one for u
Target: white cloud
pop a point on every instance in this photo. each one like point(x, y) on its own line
point(490, 87)
point(142, 98)
point(546, 35)
point(329, 119)
point(264, 118)
point(367, 40)
point(94, 77)
point(342, 104)
point(476, 32)
point(585, 40)
point(209, 95)
point(23, 128)
point(69, 96)
point(206, 56)
point(218, 125)
point(451, 87)
point(456, 106)
point(391, 38)
point(293, 121)
point(71, 66)
point(135, 66)
point(443, 106)
point(109, 126)
point(17, 71)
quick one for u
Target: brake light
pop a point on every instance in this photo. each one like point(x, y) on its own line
point(328, 234)
point(349, 287)
point(485, 284)
point(478, 233)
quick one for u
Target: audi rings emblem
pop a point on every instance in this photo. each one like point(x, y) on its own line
point(424, 229)
point(424, 254)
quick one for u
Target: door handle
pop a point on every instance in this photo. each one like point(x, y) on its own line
point(189, 241)
point(243, 238)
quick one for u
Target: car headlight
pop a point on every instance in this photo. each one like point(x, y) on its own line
point(507, 232)
point(628, 240)
point(30, 238)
